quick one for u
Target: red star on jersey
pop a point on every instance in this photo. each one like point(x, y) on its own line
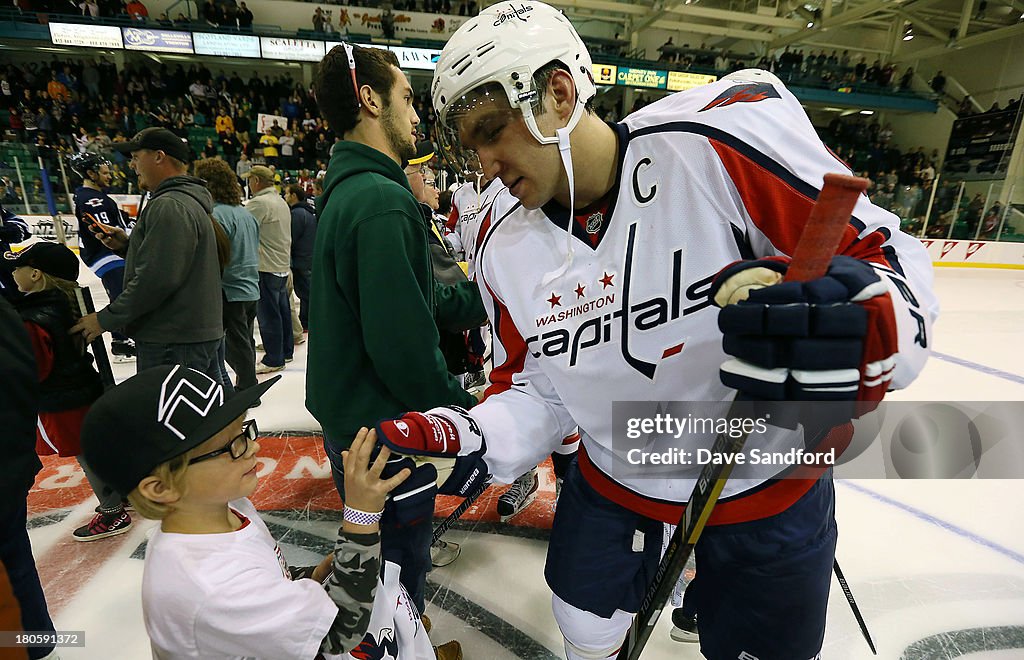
point(555, 300)
point(579, 290)
point(607, 281)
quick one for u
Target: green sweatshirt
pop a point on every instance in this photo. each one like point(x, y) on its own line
point(375, 308)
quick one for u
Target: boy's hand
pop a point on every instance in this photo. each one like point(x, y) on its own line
point(364, 489)
point(324, 569)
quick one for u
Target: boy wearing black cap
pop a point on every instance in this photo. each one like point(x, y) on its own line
point(215, 583)
point(47, 273)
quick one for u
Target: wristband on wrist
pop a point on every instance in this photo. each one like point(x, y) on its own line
point(357, 517)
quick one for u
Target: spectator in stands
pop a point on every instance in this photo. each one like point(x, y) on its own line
point(387, 23)
point(181, 19)
point(318, 20)
point(137, 11)
point(907, 79)
point(171, 302)
point(244, 18)
point(243, 166)
point(269, 144)
point(273, 311)
point(211, 14)
point(938, 83)
point(287, 149)
point(223, 122)
point(240, 282)
point(303, 237)
point(57, 90)
point(90, 8)
point(209, 149)
point(229, 146)
point(164, 21)
point(665, 51)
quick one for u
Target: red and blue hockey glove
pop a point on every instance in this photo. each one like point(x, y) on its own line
point(829, 339)
point(444, 432)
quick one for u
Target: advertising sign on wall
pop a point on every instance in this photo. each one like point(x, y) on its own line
point(641, 78)
point(679, 81)
point(280, 48)
point(366, 20)
point(227, 45)
point(604, 74)
point(416, 58)
point(90, 36)
point(162, 41)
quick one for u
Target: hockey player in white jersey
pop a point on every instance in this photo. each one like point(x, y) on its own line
point(603, 269)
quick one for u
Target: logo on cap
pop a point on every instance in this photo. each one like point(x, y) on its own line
point(179, 396)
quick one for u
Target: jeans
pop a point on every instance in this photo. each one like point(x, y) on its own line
point(16, 555)
point(201, 356)
point(239, 347)
point(275, 317)
point(406, 545)
point(113, 284)
point(301, 279)
point(222, 371)
point(110, 499)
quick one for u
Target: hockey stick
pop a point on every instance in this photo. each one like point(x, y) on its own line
point(853, 605)
point(99, 348)
point(818, 243)
point(457, 513)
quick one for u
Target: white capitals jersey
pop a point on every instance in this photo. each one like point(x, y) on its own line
point(706, 177)
point(469, 205)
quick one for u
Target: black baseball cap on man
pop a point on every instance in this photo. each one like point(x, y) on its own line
point(154, 416)
point(424, 152)
point(51, 258)
point(156, 139)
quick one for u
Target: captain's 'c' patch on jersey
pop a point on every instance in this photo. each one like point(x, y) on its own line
point(744, 93)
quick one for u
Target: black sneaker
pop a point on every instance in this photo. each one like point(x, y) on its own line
point(684, 628)
point(103, 525)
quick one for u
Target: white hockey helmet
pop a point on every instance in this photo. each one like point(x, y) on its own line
point(506, 44)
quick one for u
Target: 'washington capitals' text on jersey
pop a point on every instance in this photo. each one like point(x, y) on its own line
point(705, 178)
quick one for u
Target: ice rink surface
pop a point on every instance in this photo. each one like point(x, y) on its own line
point(937, 566)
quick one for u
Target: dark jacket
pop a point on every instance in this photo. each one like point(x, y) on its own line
point(172, 276)
point(72, 382)
point(18, 407)
point(375, 307)
point(12, 230)
point(303, 236)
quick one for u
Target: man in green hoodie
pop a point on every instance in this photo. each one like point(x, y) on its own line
point(375, 307)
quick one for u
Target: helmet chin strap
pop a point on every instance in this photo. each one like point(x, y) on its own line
point(565, 152)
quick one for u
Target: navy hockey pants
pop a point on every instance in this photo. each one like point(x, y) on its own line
point(763, 584)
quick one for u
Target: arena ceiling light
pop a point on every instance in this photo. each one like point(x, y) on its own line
point(908, 31)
